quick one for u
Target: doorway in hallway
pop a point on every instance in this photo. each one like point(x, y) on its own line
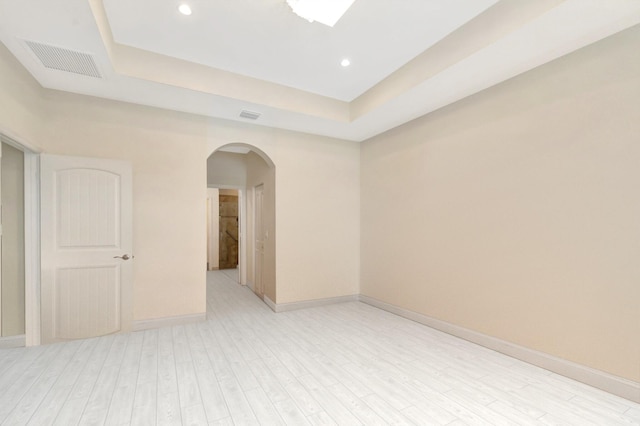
point(228, 229)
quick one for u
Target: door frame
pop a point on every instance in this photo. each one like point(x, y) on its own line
point(31, 237)
point(32, 247)
point(258, 291)
point(242, 226)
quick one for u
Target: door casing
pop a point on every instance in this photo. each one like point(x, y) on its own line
point(258, 236)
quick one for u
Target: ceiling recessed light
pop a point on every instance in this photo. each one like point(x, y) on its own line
point(185, 9)
point(345, 62)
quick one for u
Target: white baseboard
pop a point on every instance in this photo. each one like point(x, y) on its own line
point(13, 342)
point(284, 307)
point(613, 384)
point(167, 321)
point(270, 303)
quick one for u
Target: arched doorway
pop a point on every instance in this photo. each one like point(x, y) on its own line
point(248, 173)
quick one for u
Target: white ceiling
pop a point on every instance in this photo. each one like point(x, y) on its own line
point(409, 57)
point(265, 40)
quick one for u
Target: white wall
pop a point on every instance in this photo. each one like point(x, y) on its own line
point(227, 169)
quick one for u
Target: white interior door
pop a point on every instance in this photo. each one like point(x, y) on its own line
point(86, 228)
point(259, 239)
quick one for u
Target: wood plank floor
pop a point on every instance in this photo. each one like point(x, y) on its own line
point(345, 364)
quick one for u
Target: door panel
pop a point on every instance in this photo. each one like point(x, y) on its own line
point(96, 224)
point(84, 310)
point(86, 229)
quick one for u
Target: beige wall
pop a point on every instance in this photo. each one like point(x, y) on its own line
point(515, 212)
point(168, 152)
point(317, 218)
point(12, 283)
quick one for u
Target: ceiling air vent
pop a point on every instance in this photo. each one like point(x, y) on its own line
point(57, 58)
point(249, 115)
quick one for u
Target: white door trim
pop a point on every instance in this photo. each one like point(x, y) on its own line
point(242, 220)
point(32, 247)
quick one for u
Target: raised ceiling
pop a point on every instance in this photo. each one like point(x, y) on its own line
point(265, 40)
point(408, 57)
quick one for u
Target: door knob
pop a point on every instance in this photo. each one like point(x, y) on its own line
point(123, 257)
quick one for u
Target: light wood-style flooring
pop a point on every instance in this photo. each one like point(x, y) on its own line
point(345, 364)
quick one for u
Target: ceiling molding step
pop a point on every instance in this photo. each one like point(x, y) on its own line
point(150, 66)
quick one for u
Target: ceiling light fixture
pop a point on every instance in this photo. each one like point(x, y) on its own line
point(185, 9)
point(345, 62)
point(327, 12)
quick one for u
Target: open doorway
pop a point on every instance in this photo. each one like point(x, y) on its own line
point(19, 245)
point(224, 218)
point(12, 266)
point(228, 241)
point(246, 173)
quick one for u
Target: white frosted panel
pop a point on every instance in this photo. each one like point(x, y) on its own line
point(97, 222)
point(86, 302)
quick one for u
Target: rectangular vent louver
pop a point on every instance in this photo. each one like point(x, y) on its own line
point(57, 58)
point(250, 115)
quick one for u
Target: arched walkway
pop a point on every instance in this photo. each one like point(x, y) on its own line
point(251, 172)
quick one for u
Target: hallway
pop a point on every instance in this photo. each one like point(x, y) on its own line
point(343, 364)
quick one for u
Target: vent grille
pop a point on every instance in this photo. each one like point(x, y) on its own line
point(251, 115)
point(57, 58)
